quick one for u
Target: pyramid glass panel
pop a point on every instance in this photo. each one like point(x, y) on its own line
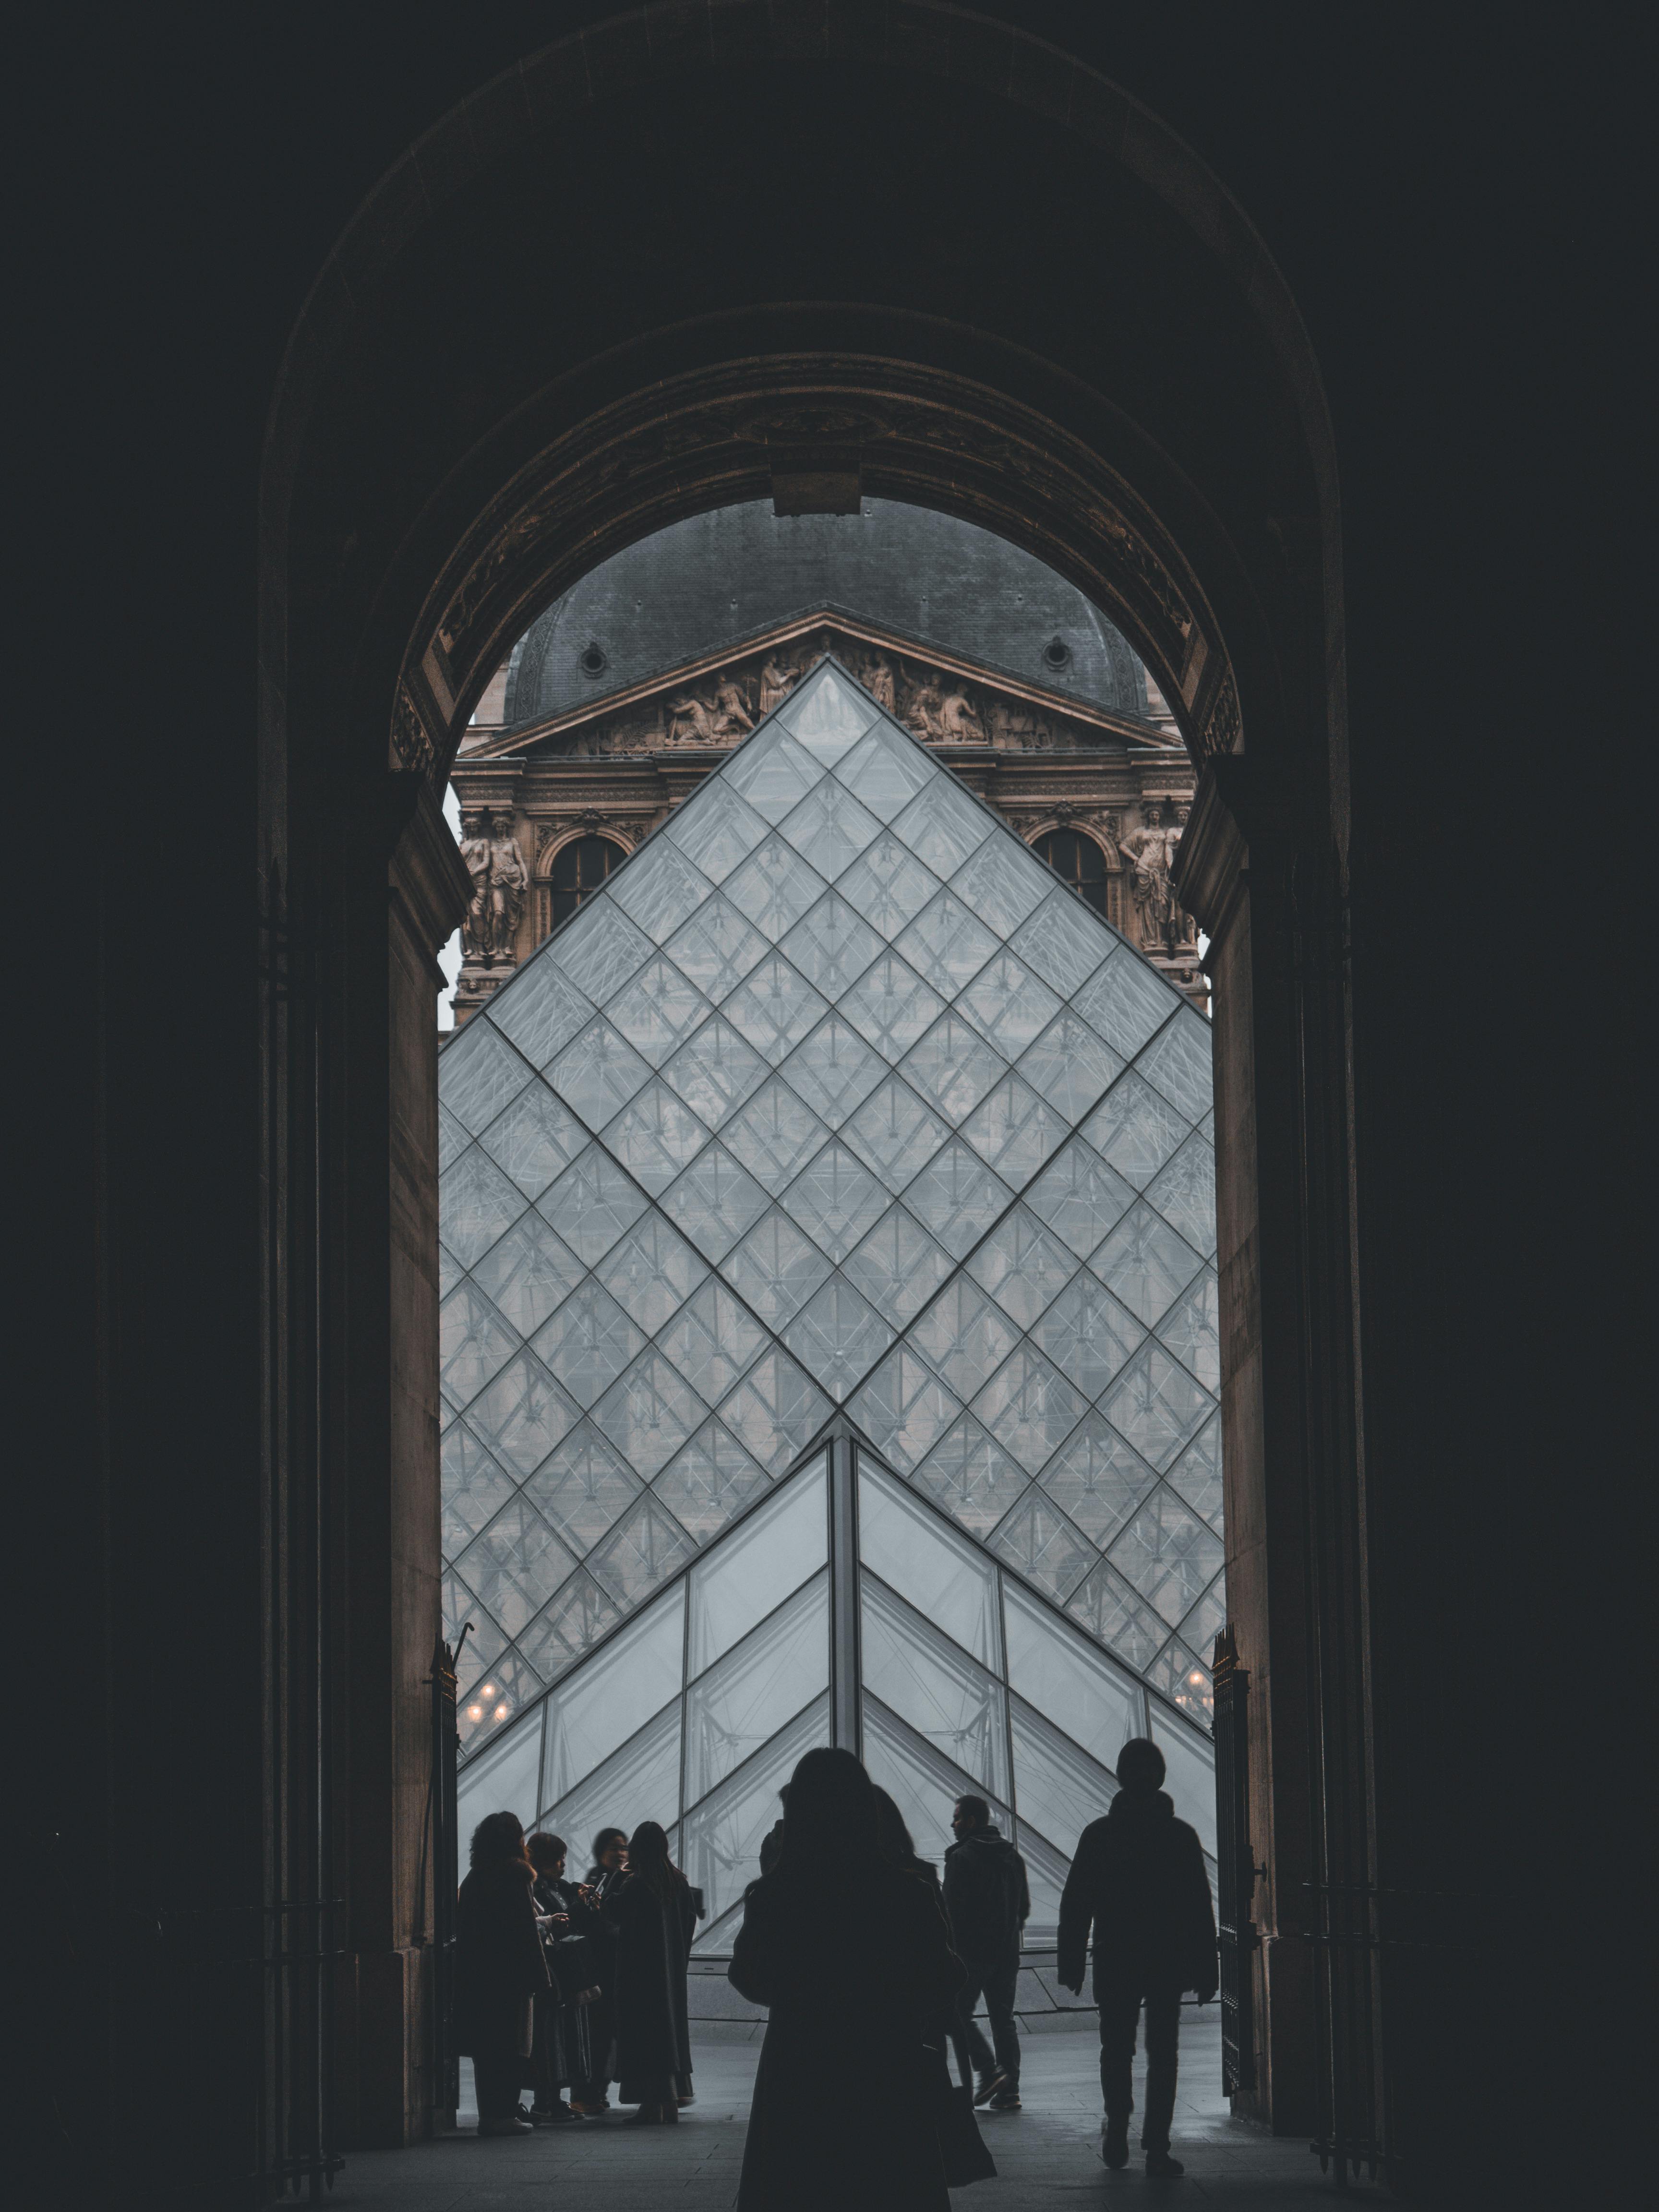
point(830, 1096)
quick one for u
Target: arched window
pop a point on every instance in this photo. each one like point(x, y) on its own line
point(578, 868)
point(1079, 860)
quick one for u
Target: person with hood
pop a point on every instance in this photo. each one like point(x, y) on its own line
point(588, 2098)
point(498, 1971)
point(654, 1911)
point(988, 1901)
point(1138, 1879)
point(564, 1917)
point(850, 1953)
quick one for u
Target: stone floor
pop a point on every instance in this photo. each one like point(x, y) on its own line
point(1047, 2155)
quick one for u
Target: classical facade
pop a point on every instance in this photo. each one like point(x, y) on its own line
point(624, 695)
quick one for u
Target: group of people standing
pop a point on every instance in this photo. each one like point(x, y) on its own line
point(853, 1943)
point(564, 1987)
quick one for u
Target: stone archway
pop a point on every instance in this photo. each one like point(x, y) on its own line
point(418, 511)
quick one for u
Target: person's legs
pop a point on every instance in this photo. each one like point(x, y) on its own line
point(496, 2076)
point(980, 2056)
point(1000, 1982)
point(1163, 2038)
point(1120, 2013)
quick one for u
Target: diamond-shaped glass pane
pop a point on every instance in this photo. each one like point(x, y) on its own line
point(599, 948)
point(779, 1669)
point(904, 1409)
point(534, 1138)
point(591, 1203)
point(1098, 1478)
point(515, 1564)
point(945, 945)
point(645, 1769)
point(898, 1265)
point(895, 1132)
point(488, 1707)
point(523, 1414)
point(776, 1133)
point(714, 1202)
point(943, 1695)
point(649, 1414)
point(921, 1780)
point(948, 1580)
point(1124, 1002)
point(827, 714)
point(599, 1073)
point(583, 1489)
point(658, 887)
point(1087, 1334)
point(774, 1007)
point(1063, 942)
point(712, 1479)
point(1146, 1263)
point(1079, 1197)
point(1061, 1788)
point(1185, 1682)
point(658, 1010)
point(964, 1336)
point(1208, 1618)
point(1024, 1265)
point(578, 1615)
point(1001, 882)
point(1110, 1609)
point(834, 1199)
point(475, 1488)
point(543, 1011)
point(1192, 1330)
point(453, 1139)
point(887, 885)
point(1063, 1677)
point(651, 1272)
point(1197, 1473)
point(776, 1411)
point(713, 1340)
point(474, 1343)
point(968, 1474)
point(655, 1135)
point(1008, 1004)
point(1029, 1408)
point(829, 828)
point(773, 773)
point(891, 1005)
point(1135, 1129)
point(716, 1071)
point(1014, 1130)
point(834, 1070)
point(775, 1268)
point(957, 1197)
point(477, 1073)
point(450, 1271)
point(527, 1273)
point(886, 771)
point(719, 1839)
point(953, 1067)
point(589, 1342)
point(1155, 1404)
point(1170, 1555)
point(778, 1547)
point(639, 1555)
point(476, 1204)
point(1070, 1065)
point(604, 1707)
point(837, 1336)
point(831, 946)
point(942, 825)
point(1178, 1064)
point(1183, 1192)
point(716, 830)
point(774, 887)
point(715, 948)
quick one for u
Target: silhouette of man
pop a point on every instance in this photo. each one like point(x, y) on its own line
point(988, 1901)
point(1139, 1879)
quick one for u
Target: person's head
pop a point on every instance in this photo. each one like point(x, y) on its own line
point(1154, 814)
point(648, 1855)
point(783, 1797)
point(972, 1813)
point(498, 1840)
point(831, 1812)
point(547, 1854)
point(1140, 1766)
point(609, 1848)
point(893, 1839)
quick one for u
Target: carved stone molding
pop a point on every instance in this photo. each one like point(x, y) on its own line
point(622, 829)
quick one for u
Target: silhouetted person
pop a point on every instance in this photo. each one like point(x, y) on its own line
point(851, 1955)
point(562, 2056)
point(772, 1841)
point(1139, 1878)
point(655, 1915)
point(988, 1901)
point(499, 1970)
point(610, 1856)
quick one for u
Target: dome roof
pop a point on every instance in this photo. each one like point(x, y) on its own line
point(720, 578)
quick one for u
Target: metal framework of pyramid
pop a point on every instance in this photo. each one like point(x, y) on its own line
point(832, 1111)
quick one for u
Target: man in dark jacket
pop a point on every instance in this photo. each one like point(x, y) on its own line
point(988, 1901)
point(1139, 1878)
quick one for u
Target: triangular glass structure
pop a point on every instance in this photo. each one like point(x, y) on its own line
point(831, 1096)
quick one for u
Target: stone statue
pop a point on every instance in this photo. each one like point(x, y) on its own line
point(1147, 851)
point(732, 715)
point(776, 680)
point(960, 721)
point(509, 881)
point(475, 857)
point(878, 682)
point(1184, 927)
point(690, 721)
point(922, 716)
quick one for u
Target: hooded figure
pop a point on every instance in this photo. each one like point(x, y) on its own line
point(1139, 1878)
point(851, 1954)
point(654, 1911)
point(988, 1900)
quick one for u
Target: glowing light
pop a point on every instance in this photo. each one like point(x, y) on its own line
point(488, 1690)
point(501, 1712)
point(475, 1712)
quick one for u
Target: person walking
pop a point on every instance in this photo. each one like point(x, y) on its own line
point(987, 1900)
point(589, 2098)
point(851, 1956)
point(1138, 1879)
point(655, 1915)
point(498, 1971)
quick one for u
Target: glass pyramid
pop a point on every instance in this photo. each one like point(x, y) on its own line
point(833, 1107)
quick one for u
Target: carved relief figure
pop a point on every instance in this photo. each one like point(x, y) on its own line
point(960, 721)
point(1148, 855)
point(878, 679)
point(732, 715)
point(923, 714)
point(776, 680)
point(689, 721)
point(475, 856)
point(509, 881)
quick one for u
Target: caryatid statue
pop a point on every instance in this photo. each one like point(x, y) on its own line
point(475, 858)
point(1184, 927)
point(1147, 851)
point(509, 881)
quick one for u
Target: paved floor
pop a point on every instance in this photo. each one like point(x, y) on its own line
point(1047, 2155)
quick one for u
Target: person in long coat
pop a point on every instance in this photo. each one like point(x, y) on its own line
point(655, 1914)
point(609, 1861)
point(499, 1970)
point(851, 1954)
point(562, 2056)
